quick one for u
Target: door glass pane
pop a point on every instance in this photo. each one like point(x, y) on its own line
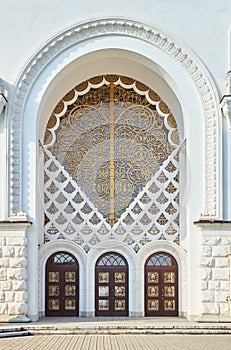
point(103, 291)
point(69, 304)
point(153, 291)
point(103, 277)
point(53, 304)
point(53, 277)
point(103, 305)
point(119, 291)
point(119, 277)
point(169, 291)
point(70, 290)
point(53, 291)
point(153, 305)
point(169, 277)
point(70, 276)
point(153, 277)
point(169, 305)
point(119, 305)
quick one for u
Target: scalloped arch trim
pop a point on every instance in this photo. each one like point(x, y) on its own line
point(129, 28)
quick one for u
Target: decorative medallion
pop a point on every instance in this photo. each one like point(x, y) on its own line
point(120, 230)
point(86, 230)
point(103, 230)
point(136, 230)
point(69, 230)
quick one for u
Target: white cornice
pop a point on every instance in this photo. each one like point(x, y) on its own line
point(129, 28)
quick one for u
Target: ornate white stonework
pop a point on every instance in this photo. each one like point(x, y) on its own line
point(69, 203)
point(120, 27)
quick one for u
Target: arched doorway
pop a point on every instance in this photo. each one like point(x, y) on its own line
point(111, 285)
point(62, 285)
point(161, 285)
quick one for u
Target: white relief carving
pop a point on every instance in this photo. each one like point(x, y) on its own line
point(79, 33)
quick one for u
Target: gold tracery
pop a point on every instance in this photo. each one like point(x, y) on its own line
point(111, 139)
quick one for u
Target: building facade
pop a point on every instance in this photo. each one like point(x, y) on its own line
point(115, 151)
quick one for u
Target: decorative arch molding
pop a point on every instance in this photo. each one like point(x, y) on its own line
point(168, 247)
point(112, 246)
point(45, 252)
point(181, 257)
point(158, 39)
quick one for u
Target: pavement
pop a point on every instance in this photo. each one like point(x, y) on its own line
point(118, 342)
point(145, 333)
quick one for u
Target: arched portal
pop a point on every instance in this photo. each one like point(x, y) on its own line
point(127, 48)
point(62, 285)
point(161, 285)
point(111, 285)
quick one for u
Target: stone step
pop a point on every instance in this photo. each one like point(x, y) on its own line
point(58, 329)
point(13, 332)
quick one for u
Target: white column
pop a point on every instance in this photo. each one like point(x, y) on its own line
point(3, 159)
point(229, 296)
point(226, 109)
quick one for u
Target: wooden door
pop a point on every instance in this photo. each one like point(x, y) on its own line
point(111, 286)
point(62, 285)
point(161, 285)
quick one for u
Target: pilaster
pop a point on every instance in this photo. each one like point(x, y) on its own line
point(226, 109)
point(13, 271)
point(215, 270)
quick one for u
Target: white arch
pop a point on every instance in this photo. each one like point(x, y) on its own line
point(65, 46)
point(44, 253)
point(180, 255)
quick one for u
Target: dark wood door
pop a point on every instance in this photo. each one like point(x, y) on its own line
point(161, 285)
point(111, 291)
point(62, 285)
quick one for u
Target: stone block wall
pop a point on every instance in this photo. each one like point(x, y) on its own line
point(13, 272)
point(215, 273)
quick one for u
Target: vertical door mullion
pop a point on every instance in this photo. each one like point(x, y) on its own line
point(61, 288)
point(111, 288)
point(161, 286)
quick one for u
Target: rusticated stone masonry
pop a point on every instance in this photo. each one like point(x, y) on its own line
point(215, 274)
point(13, 273)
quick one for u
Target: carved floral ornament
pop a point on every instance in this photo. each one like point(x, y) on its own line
point(129, 28)
point(111, 165)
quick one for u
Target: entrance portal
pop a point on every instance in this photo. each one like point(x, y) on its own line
point(62, 286)
point(111, 294)
point(161, 285)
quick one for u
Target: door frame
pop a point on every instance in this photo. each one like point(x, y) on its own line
point(111, 269)
point(61, 268)
point(161, 269)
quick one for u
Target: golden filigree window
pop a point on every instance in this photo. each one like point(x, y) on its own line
point(111, 158)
